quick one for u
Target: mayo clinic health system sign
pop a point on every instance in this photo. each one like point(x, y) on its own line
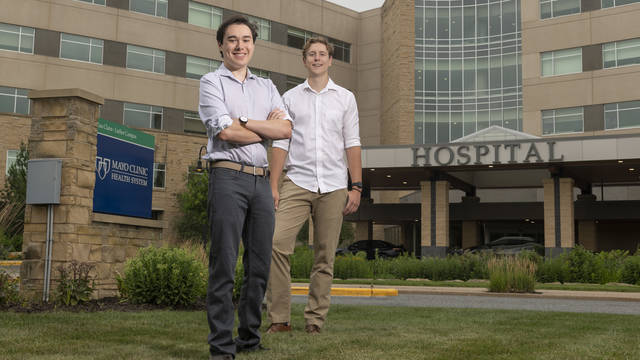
point(124, 171)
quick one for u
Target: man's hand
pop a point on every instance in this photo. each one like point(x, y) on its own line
point(276, 114)
point(353, 201)
point(276, 196)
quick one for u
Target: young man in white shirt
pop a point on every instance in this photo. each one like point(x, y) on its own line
point(325, 127)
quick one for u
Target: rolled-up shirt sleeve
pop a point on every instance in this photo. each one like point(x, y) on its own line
point(351, 128)
point(212, 109)
point(278, 102)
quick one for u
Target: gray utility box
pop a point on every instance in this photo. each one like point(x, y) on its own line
point(44, 177)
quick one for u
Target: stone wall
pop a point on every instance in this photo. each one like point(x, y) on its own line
point(64, 126)
point(398, 63)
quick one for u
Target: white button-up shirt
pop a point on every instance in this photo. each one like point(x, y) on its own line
point(325, 123)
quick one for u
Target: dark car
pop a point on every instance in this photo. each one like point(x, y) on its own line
point(510, 245)
point(382, 248)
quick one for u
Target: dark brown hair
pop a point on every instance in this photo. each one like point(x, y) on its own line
point(236, 19)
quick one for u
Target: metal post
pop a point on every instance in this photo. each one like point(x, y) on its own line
point(47, 261)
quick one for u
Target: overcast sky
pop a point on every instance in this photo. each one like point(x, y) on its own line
point(359, 5)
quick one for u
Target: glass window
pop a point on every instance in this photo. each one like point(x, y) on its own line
point(296, 38)
point(554, 8)
point(204, 15)
point(293, 81)
point(560, 121)
point(341, 50)
point(16, 38)
point(159, 171)
point(612, 3)
point(561, 62)
point(142, 116)
point(259, 72)
point(147, 59)
point(12, 155)
point(14, 100)
point(264, 27)
point(81, 48)
point(193, 123)
point(151, 7)
point(97, 2)
point(621, 53)
point(622, 115)
point(197, 66)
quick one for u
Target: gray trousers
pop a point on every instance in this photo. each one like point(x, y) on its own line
point(240, 207)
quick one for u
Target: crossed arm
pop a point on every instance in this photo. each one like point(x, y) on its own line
point(276, 127)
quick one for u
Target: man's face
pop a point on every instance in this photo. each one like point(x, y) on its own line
point(317, 61)
point(237, 46)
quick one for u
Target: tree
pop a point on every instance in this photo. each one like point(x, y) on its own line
point(192, 221)
point(14, 194)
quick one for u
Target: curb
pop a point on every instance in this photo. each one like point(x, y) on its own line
point(337, 291)
point(10, 262)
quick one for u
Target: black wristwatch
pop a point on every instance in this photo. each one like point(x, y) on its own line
point(243, 120)
point(357, 184)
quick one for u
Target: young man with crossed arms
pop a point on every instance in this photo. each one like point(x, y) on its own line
point(240, 111)
point(325, 127)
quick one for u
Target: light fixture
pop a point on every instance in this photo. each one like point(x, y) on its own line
point(372, 169)
point(620, 161)
point(199, 167)
point(404, 183)
point(389, 176)
point(490, 166)
point(632, 169)
point(527, 220)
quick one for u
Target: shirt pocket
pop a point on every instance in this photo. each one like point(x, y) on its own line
point(332, 123)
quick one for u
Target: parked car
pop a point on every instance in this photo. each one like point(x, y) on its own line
point(510, 245)
point(382, 248)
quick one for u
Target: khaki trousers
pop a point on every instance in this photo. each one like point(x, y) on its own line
point(294, 208)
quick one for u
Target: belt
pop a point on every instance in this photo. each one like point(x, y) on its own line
point(248, 169)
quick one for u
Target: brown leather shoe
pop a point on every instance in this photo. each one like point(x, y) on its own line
point(312, 329)
point(278, 327)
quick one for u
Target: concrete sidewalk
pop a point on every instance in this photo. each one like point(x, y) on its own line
point(357, 290)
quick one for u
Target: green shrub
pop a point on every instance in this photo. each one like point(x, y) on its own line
point(301, 262)
point(9, 294)
point(511, 274)
point(553, 270)
point(352, 267)
point(192, 221)
point(608, 266)
point(630, 272)
point(75, 285)
point(163, 276)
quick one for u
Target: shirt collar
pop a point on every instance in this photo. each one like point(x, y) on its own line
point(224, 71)
point(330, 86)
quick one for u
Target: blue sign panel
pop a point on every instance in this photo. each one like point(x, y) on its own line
point(124, 171)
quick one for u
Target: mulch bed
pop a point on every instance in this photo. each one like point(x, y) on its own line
point(105, 304)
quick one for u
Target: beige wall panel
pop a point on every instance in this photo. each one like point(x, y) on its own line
point(25, 12)
point(187, 96)
point(197, 41)
point(143, 89)
point(340, 26)
point(22, 71)
point(555, 35)
point(554, 95)
point(370, 27)
point(615, 24)
point(145, 30)
point(531, 66)
point(615, 85)
point(344, 76)
point(302, 14)
point(369, 100)
point(226, 4)
point(64, 74)
point(265, 9)
point(370, 53)
point(271, 58)
point(84, 19)
point(530, 11)
point(370, 79)
point(532, 123)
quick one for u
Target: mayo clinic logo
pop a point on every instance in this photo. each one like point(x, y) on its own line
point(103, 165)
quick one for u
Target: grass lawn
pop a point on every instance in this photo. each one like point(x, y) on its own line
point(352, 332)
